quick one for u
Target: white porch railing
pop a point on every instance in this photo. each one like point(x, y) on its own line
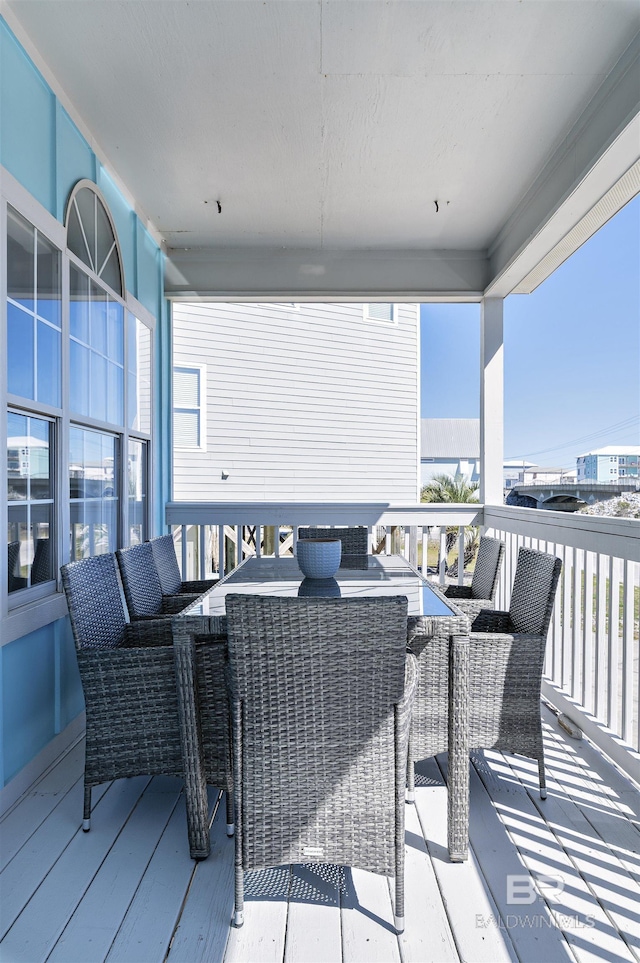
point(592, 667)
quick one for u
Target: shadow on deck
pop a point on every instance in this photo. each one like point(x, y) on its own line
point(554, 881)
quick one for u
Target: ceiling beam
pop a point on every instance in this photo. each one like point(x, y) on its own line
point(235, 274)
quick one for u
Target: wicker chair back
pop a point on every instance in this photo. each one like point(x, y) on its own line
point(164, 555)
point(319, 760)
point(140, 580)
point(487, 568)
point(533, 593)
point(15, 580)
point(41, 570)
point(94, 598)
point(355, 541)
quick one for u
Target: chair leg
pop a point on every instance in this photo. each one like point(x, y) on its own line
point(543, 781)
point(410, 795)
point(86, 816)
point(230, 822)
point(236, 722)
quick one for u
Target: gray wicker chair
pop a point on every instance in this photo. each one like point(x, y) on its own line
point(321, 695)
point(471, 599)
point(355, 541)
point(164, 555)
point(506, 657)
point(128, 680)
point(142, 588)
point(134, 725)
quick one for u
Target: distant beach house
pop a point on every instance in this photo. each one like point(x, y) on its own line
point(296, 402)
point(609, 464)
point(450, 446)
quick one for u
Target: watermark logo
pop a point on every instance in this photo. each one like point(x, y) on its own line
point(525, 890)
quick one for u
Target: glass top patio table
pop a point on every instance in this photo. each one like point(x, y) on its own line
point(358, 576)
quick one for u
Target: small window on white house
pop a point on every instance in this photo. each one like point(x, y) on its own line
point(379, 312)
point(188, 409)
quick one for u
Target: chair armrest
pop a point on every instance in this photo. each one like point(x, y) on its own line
point(458, 591)
point(197, 587)
point(501, 638)
point(492, 620)
point(411, 673)
point(147, 632)
point(172, 604)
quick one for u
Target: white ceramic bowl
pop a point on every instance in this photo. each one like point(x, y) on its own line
point(319, 557)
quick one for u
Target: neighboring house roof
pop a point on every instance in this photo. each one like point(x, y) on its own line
point(614, 450)
point(450, 438)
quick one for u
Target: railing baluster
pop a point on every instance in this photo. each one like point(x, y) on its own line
point(567, 566)
point(425, 550)
point(627, 654)
point(221, 547)
point(183, 538)
point(587, 633)
point(601, 628)
point(614, 643)
point(239, 545)
point(201, 543)
point(443, 555)
point(557, 627)
point(460, 554)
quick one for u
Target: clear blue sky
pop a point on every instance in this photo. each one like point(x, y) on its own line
point(571, 353)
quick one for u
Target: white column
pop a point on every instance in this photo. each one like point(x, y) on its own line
point(491, 403)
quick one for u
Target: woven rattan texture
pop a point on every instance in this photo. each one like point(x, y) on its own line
point(317, 682)
point(94, 598)
point(164, 556)
point(471, 599)
point(506, 659)
point(355, 541)
point(142, 587)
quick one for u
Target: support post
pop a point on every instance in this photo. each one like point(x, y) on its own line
point(491, 402)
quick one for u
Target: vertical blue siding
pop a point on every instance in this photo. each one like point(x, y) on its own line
point(74, 159)
point(44, 150)
point(27, 109)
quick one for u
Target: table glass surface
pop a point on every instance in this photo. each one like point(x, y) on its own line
point(357, 577)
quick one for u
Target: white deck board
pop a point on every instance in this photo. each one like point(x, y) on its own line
point(42, 921)
point(313, 923)
point(584, 922)
point(98, 917)
point(465, 893)
point(154, 912)
point(127, 892)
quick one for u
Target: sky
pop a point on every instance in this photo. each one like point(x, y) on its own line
point(571, 354)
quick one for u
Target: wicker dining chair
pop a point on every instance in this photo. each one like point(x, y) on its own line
point(164, 555)
point(355, 541)
point(128, 674)
point(506, 657)
point(321, 693)
point(142, 588)
point(128, 680)
point(15, 581)
point(471, 599)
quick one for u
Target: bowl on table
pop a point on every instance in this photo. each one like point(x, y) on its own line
point(319, 557)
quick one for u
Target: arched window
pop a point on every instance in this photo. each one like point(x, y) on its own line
point(91, 235)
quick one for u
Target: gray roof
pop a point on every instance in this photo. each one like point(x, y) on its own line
point(450, 438)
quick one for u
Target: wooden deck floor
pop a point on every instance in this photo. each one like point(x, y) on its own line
point(128, 892)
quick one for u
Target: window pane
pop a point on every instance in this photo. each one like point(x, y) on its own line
point(186, 429)
point(48, 364)
point(98, 315)
point(139, 379)
point(115, 331)
point(79, 379)
point(94, 501)
point(380, 312)
point(137, 488)
point(86, 203)
point(48, 271)
point(111, 272)
point(115, 392)
point(20, 259)
point(98, 387)
point(31, 509)
point(79, 306)
point(186, 387)
point(20, 348)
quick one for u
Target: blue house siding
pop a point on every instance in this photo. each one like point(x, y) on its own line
point(47, 154)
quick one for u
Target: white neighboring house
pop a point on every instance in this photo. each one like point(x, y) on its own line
point(450, 446)
point(610, 464)
point(296, 402)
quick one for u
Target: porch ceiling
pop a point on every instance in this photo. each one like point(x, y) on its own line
point(405, 147)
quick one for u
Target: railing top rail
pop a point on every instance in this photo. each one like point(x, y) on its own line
point(323, 513)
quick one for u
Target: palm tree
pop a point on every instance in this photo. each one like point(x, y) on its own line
point(454, 489)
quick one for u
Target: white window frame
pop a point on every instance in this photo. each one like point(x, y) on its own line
point(369, 320)
point(201, 408)
point(45, 603)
